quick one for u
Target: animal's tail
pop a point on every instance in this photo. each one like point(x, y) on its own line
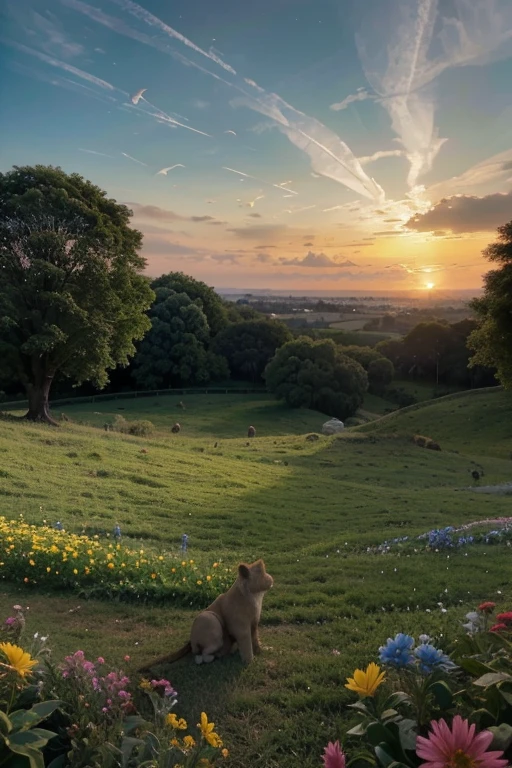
point(169, 659)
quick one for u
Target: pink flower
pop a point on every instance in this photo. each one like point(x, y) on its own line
point(127, 658)
point(459, 747)
point(333, 756)
point(10, 621)
point(124, 695)
point(100, 660)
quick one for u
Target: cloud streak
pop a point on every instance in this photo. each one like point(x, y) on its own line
point(396, 54)
point(463, 214)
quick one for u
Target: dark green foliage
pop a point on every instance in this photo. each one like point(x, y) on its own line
point(174, 352)
point(491, 342)
point(317, 375)
point(72, 298)
point(210, 302)
point(248, 346)
point(380, 370)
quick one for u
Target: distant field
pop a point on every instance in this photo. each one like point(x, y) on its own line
point(309, 508)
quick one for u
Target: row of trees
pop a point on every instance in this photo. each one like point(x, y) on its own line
point(75, 306)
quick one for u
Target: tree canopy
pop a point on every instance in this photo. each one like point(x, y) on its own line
point(380, 370)
point(317, 375)
point(174, 352)
point(72, 296)
point(210, 302)
point(491, 342)
point(249, 345)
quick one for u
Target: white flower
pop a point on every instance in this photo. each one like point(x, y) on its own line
point(424, 638)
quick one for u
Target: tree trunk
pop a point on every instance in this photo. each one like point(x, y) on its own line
point(38, 405)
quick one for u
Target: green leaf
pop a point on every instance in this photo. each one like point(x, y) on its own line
point(502, 736)
point(442, 694)
point(35, 738)
point(400, 697)
point(35, 757)
point(359, 705)
point(408, 734)
point(491, 678)
point(127, 746)
point(377, 733)
point(59, 762)
point(45, 708)
point(5, 723)
point(134, 721)
point(384, 757)
point(357, 730)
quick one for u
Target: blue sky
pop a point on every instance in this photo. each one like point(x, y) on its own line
point(311, 143)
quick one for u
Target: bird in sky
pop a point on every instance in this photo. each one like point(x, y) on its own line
point(232, 132)
point(165, 171)
point(138, 96)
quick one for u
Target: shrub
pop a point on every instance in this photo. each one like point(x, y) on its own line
point(141, 428)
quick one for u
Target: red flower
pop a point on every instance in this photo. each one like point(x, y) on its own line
point(498, 628)
point(506, 618)
point(487, 607)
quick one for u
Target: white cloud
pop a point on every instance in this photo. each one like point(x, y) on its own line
point(320, 260)
point(397, 58)
point(379, 155)
point(361, 95)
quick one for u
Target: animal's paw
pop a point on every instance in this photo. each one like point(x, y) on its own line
point(199, 659)
point(267, 647)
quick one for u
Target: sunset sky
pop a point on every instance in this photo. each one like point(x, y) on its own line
point(310, 144)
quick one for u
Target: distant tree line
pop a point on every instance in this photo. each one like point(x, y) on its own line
point(76, 311)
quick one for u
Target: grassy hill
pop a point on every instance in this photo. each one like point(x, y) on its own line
point(476, 422)
point(311, 509)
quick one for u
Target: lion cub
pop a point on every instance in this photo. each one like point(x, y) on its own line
point(232, 618)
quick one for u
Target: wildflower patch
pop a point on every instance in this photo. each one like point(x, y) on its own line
point(50, 558)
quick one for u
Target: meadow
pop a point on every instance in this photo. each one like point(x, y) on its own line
point(311, 509)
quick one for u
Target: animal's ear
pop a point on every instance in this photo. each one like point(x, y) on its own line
point(258, 565)
point(243, 571)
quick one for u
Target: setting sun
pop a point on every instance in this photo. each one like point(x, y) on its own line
point(429, 286)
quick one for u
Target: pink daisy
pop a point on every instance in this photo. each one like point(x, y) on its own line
point(458, 747)
point(333, 756)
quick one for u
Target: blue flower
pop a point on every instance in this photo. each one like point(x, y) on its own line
point(431, 658)
point(398, 652)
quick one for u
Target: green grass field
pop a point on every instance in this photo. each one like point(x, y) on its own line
point(309, 508)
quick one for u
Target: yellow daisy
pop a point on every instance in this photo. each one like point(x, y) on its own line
point(365, 683)
point(18, 659)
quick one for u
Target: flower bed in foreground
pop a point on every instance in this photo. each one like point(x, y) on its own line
point(79, 713)
point(53, 559)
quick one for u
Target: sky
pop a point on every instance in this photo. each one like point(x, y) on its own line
point(285, 144)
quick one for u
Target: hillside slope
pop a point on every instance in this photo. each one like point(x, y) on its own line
point(478, 422)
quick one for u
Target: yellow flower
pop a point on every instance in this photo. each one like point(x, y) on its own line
point(179, 724)
point(189, 742)
point(215, 565)
point(199, 582)
point(110, 565)
point(184, 562)
point(173, 570)
point(207, 731)
point(366, 683)
point(18, 659)
point(191, 562)
point(75, 571)
point(174, 742)
point(48, 569)
point(208, 578)
point(145, 684)
point(31, 562)
point(225, 752)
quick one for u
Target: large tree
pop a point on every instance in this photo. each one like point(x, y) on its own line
point(210, 302)
point(248, 346)
point(380, 369)
point(72, 296)
point(492, 340)
point(317, 375)
point(175, 351)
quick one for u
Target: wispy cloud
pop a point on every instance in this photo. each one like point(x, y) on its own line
point(495, 171)
point(93, 152)
point(154, 21)
point(397, 58)
point(134, 159)
point(53, 39)
point(361, 95)
point(61, 65)
point(379, 155)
